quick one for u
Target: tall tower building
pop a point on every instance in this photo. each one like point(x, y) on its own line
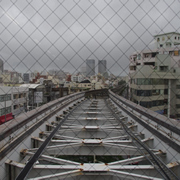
point(90, 67)
point(1, 66)
point(102, 66)
point(83, 71)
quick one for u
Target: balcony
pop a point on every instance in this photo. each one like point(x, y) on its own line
point(149, 59)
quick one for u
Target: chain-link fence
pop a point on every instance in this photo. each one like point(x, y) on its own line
point(53, 53)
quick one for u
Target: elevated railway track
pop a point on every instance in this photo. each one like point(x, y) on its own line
point(102, 136)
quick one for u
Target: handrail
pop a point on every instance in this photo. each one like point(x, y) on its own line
point(29, 116)
point(148, 113)
point(17, 140)
point(154, 131)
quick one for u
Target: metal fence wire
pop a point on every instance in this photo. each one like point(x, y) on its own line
point(89, 89)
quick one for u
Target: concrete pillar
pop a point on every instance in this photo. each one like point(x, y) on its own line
point(169, 99)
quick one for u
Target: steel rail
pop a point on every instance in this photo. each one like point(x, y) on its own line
point(146, 114)
point(47, 106)
point(164, 138)
point(23, 174)
point(161, 167)
point(16, 141)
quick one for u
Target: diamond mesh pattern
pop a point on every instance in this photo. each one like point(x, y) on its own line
point(49, 42)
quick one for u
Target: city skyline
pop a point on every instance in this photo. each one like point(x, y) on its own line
point(90, 89)
point(55, 34)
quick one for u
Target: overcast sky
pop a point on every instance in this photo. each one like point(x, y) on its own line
point(62, 34)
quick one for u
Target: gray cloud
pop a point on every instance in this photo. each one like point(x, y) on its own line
point(63, 34)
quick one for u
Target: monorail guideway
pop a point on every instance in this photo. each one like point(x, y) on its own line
point(92, 139)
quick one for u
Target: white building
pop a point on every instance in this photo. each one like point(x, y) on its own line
point(167, 40)
point(154, 77)
point(77, 78)
point(13, 101)
point(19, 100)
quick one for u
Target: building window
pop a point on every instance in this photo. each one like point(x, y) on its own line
point(163, 68)
point(178, 116)
point(6, 97)
point(178, 106)
point(143, 93)
point(165, 91)
point(159, 81)
point(143, 81)
point(8, 110)
point(165, 101)
point(20, 95)
point(165, 82)
point(176, 53)
point(15, 96)
point(158, 39)
point(132, 67)
point(163, 38)
point(165, 111)
point(156, 92)
point(15, 107)
point(168, 44)
point(178, 96)
point(149, 63)
point(158, 103)
point(4, 111)
point(146, 55)
point(154, 54)
point(2, 98)
point(139, 57)
point(178, 86)
point(175, 37)
point(147, 81)
point(146, 104)
point(161, 45)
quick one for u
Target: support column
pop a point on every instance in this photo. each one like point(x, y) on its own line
point(169, 99)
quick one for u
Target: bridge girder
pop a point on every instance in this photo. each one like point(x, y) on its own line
point(94, 132)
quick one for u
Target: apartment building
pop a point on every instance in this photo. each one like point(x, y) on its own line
point(13, 101)
point(19, 100)
point(77, 78)
point(155, 76)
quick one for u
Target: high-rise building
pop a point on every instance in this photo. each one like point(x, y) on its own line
point(154, 76)
point(1, 66)
point(102, 66)
point(90, 67)
point(83, 71)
